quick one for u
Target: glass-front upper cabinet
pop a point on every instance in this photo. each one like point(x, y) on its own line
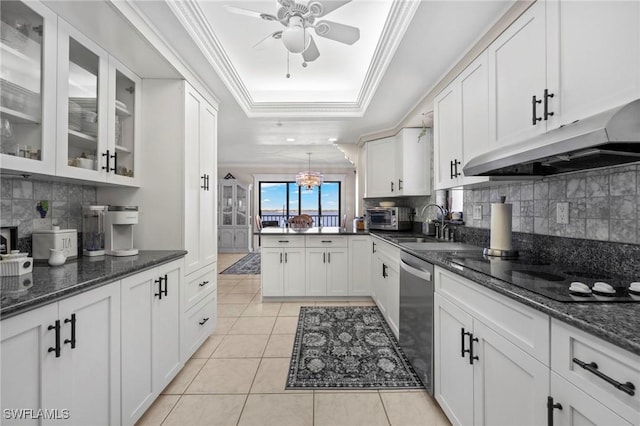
point(27, 87)
point(82, 107)
point(226, 206)
point(123, 128)
point(241, 205)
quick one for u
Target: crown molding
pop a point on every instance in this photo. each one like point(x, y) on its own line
point(191, 16)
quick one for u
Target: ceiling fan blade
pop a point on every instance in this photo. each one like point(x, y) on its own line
point(338, 32)
point(321, 8)
point(312, 53)
point(251, 13)
point(262, 44)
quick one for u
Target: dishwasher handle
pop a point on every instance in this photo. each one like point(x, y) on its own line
point(420, 273)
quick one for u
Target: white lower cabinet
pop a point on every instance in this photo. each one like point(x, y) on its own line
point(481, 376)
point(283, 266)
point(198, 324)
point(573, 407)
point(65, 357)
point(385, 281)
point(360, 251)
point(150, 336)
point(327, 266)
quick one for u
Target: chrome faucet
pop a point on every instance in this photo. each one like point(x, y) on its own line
point(442, 214)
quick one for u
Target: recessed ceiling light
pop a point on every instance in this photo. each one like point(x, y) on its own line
point(290, 140)
point(333, 139)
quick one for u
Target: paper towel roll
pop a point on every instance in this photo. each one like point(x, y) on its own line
point(501, 226)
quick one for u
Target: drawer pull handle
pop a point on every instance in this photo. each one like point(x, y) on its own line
point(283, 241)
point(203, 283)
point(592, 367)
point(203, 321)
point(327, 241)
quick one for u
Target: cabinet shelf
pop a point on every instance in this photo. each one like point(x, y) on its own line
point(19, 117)
point(122, 112)
point(123, 149)
point(82, 140)
point(17, 54)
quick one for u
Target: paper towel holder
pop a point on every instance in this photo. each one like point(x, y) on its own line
point(503, 254)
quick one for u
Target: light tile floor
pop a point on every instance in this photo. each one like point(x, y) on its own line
point(237, 376)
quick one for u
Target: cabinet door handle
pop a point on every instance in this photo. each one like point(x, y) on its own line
point(204, 182)
point(285, 258)
point(550, 408)
point(547, 95)
point(166, 284)
point(399, 184)
point(451, 176)
point(592, 367)
point(471, 355)
point(72, 341)
point(391, 186)
point(329, 257)
point(159, 293)
point(203, 321)
point(384, 271)
point(456, 163)
point(115, 162)
point(534, 113)
point(108, 157)
point(203, 283)
point(462, 336)
point(280, 257)
point(56, 348)
point(324, 257)
point(373, 247)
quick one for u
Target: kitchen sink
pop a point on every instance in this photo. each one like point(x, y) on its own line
point(401, 240)
point(430, 245)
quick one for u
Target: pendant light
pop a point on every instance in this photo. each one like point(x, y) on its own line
point(309, 179)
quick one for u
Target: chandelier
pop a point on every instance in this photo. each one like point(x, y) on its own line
point(309, 179)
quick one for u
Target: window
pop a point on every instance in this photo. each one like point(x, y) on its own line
point(279, 201)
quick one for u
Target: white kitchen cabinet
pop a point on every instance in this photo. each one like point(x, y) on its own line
point(593, 57)
point(461, 125)
point(283, 266)
point(98, 108)
point(517, 70)
point(75, 367)
point(150, 336)
point(327, 271)
point(234, 225)
point(360, 251)
point(551, 68)
point(385, 277)
point(28, 87)
point(446, 133)
point(576, 408)
point(177, 193)
point(579, 357)
point(198, 323)
point(412, 162)
point(381, 174)
point(479, 362)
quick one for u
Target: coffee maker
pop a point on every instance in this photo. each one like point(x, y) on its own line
point(119, 230)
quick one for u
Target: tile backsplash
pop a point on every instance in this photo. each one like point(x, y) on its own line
point(604, 204)
point(19, 199)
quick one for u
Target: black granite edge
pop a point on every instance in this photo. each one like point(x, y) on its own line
point(616, 323)
point(304, 233)
point(67, 292)
point(604, 257)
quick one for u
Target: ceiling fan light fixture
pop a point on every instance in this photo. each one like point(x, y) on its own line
point(295, 37)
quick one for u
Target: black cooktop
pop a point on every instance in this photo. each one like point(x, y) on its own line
point(545, 278)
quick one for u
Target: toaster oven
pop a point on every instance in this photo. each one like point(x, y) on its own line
point(390, 218)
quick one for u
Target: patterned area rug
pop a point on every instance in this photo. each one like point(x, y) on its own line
point(250, 264)
point(347, 347)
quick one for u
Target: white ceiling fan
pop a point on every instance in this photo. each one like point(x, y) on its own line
point(298, 18)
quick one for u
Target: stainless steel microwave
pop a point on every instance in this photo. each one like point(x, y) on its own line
point(389, 218)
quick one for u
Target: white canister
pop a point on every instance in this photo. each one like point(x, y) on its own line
point(56, 238)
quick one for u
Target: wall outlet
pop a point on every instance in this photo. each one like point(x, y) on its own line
point(477, 212)
point(562, 213)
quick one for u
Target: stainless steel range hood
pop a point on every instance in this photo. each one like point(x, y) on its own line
point(606, 139)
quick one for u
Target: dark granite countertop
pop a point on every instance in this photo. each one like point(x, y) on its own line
point(48, 284)
point(616, 323)
point(325, 230)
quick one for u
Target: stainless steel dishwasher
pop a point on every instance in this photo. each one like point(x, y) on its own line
point(416, 315)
